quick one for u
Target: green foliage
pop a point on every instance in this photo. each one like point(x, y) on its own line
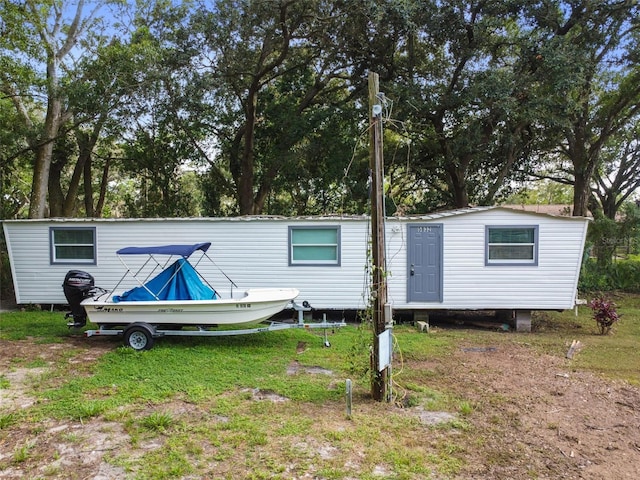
point(618, 178)
point(166, 463)
point(612, 239)
point(623, 275)
point(163, 190)
point(15, 168)
point(311, 147)
point(265, 103)
point(182, 367)
point(612, 356)
point(629, 227)
point(157, 421)
point(7, 419)
point(21, 453)
point(544, 192)
point(604, 313)
point(39, 76)
point(359, 357)
point(47, 327)
point(88, 409)
point(465, 408)
point(613, 243)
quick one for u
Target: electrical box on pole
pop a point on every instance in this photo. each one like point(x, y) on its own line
point(379, 386)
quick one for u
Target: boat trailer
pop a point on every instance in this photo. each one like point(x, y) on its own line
point(141, 335)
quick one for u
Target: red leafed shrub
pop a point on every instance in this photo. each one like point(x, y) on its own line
point(604, 313)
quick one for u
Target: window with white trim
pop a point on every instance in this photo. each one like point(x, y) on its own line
point(512, 245)
point(73, 245)
point(314, 245)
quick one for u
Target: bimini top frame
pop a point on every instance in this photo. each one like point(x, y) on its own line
point(160, 257)
point(185, 251)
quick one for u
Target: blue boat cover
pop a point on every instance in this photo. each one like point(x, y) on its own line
point(183, 250)
point(179, 281)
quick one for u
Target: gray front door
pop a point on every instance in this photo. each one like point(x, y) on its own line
point(424, 263)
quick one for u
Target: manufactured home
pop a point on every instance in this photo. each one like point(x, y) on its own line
point(482, 258)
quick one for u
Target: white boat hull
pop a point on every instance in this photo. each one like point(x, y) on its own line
point(257, 305)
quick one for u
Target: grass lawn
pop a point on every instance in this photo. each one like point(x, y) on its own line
point(614, 356)
point(270, 405)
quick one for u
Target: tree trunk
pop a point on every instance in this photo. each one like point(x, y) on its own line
point(245, 185)
point(456, 168)
point(84, 153)
point(89, 211)
point(581, 193)
point(56, 197)
point(610, 207)
point(55, 115)
point(52, 122)
point(514, 148)
point(458, 183)
point(103, 190)
point(42, 167)
point(582, 172)
point(583, 169)
point(86, 143)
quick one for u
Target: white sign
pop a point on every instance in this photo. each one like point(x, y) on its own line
point(384, 349)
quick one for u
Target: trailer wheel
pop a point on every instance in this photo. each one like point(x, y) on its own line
point(138, 337)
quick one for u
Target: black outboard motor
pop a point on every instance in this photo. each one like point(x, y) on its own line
point(77, 286)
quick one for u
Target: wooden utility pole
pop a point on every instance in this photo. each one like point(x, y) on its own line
point(379, 282)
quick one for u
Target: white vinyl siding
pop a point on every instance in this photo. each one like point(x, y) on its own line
point(314, 245)
point(470, 284)
point(73, 245)
point(254, 252)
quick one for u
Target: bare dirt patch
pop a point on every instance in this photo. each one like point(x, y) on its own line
point(532, 416)
point(538, 415)
point(23, 362)
point(59, 449)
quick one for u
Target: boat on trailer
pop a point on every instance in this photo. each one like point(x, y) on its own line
point(255, 306)
point(176, 298)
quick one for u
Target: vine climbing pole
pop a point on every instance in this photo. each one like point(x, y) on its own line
point(379, 388)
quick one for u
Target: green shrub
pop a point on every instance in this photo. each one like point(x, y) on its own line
point(604, 313)
point(623, 275)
